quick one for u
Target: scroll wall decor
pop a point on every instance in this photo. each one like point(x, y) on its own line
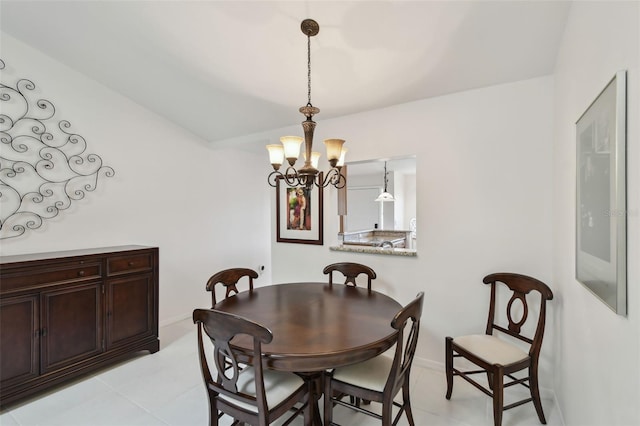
point(44, 166)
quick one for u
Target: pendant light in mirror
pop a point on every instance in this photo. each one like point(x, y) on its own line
point(386, 195)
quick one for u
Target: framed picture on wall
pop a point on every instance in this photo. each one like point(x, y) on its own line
point(299, 214)
point(601, 215)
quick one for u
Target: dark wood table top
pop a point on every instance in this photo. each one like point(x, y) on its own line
point(314, 326)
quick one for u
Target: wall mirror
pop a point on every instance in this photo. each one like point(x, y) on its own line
point(381, 225)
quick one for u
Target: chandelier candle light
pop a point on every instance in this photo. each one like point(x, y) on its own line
point(309, 174)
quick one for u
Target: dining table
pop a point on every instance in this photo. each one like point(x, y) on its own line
point(316, 326)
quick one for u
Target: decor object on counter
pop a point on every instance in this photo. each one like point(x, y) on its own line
point(299, 214)
point(378, 238)
point(309, 174)
point(601, 210)
point(44, 166)
point(385, 195)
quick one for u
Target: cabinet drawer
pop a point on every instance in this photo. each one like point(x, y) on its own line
point(77, 271)
point(130, 263)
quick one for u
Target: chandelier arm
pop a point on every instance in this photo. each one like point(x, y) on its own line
point(291, 177)
point(333, 177)
point(272, 179)
point(339, 181)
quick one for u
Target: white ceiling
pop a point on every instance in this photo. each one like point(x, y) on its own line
point(225, 69)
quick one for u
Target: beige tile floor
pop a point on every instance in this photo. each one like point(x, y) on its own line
point(166, 388)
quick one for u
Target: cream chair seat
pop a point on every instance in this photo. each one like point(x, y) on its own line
point(278, 386)
point(491, 349)
point(371, 374)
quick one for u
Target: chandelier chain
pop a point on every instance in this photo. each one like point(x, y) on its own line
point(309, 69)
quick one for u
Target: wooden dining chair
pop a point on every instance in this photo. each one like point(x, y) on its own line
point(253, 394)
point(229, 278)
point(381, 378)
point(497, 357)
point(351, 271)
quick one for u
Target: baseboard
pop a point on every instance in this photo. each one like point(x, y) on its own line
point(173, 320)
point(428, 363)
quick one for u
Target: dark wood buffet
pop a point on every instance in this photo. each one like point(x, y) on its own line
point(66, 314)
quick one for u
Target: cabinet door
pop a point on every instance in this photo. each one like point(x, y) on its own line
point(130, 309)
point(19, 339)
point(71, 325)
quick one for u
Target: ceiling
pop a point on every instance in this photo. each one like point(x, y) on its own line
point(225, 69)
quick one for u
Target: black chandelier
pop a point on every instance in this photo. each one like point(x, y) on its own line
point(308, 175)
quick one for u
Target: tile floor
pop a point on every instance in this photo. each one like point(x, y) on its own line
point(166, 389)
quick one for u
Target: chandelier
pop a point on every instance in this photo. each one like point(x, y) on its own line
point(289, 149)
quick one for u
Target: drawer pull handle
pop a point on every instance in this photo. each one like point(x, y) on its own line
point(81, 273)
point(131, 263)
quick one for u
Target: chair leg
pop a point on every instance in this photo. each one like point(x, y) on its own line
point(387, 411)
point(449, 365)
point(490, 380)
point(406, 402)
point(498, 395)
point(308, 410)
point(214, 415)
point(328, 402)
point(535, 392)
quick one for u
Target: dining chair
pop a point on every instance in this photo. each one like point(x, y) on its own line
point(381, 378)
point(229, 278)
point(497, 357)
point(252, 394)
point(351, 271)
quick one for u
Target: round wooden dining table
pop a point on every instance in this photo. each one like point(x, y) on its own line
point(316, 326)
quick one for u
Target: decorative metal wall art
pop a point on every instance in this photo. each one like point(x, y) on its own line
point(44, 166)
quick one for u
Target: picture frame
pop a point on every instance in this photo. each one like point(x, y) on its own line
point(601, 211)
point(292, 203)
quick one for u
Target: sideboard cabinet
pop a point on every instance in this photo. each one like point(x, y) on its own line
point(66, 314)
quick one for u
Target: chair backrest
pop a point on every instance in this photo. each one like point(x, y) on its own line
point(221, 327)
point(351, 271)
point(521, 286)
point(229, 278)
point(405, 345)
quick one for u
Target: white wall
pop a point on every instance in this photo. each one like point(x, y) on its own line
point(598, 355)
point(171, 190)
point(483, 202)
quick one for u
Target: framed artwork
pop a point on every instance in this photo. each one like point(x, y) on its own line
point(601, 215)
point(299, 214)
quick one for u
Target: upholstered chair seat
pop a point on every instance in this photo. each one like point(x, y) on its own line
point(371, 374)
point(491, 349)
point(278, 386)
